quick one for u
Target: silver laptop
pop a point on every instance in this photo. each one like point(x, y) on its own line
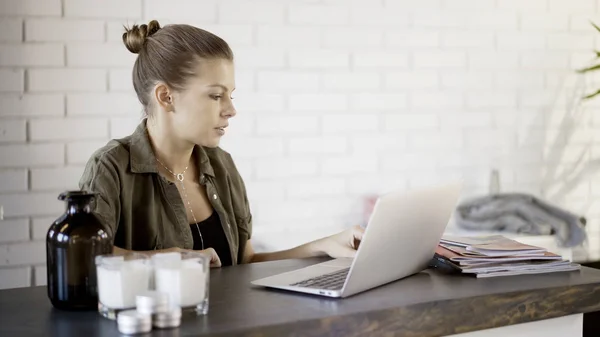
point(400, 239)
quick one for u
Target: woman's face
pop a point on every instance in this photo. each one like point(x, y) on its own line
point(202, 110)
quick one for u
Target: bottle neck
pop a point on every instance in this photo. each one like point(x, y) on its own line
point(73, 208)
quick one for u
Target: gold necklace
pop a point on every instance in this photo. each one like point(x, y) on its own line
point(180, 177)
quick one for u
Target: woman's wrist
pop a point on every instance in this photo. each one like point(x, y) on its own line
point(318, 247)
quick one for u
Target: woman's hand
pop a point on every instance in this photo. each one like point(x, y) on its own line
point(343, 244)
point(215, 261)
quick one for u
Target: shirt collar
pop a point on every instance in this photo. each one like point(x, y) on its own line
point(143, 160)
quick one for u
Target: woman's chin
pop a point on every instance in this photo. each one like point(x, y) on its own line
point(210, 143)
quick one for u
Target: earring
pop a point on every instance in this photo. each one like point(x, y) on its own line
point(171, 104)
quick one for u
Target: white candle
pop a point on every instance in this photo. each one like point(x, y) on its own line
point(120, 281)
point(185, 283)
point(185, 280)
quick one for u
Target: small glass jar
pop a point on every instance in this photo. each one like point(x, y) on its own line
point(121, 277)
point(185, 276)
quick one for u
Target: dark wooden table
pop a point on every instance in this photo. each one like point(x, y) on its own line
point(426, 304)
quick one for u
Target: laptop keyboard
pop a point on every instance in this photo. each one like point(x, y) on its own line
point(331, 281)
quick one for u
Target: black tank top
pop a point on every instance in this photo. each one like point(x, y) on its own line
point(213, 237)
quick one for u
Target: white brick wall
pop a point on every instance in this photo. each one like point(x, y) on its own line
point(288, 81)
point(120, 80)
point(205, 11)
point(277, 124)
point(256, 12)
point(13, 180)
point(318, 145)
point(310, 59)
point(346, 81)
point(493, 60)
point(66, 79)
point(335, 100)
point(364, 37)
point(94, 55)
point(14, 230)
point(102, 104)
point(443, 59)
point(318, 14)
point(104, 9)
point(318, 102)
point(31, 105)
point(119, 127)
point(412, 38)
point(31, 155)
point(12, 131)
point(31, 7)
point(306, 188)
point(14, 277)
point(68, 129)
point(417, 79)
point(12, 80)
point(28, 55)
point(349, 123)
point(365, 59)
point(40, 274)
point(79, 152)
point(479, 79)
point(281, 168)
point(521, 41)
point(62, 178)
point(63, 30)
point(293, 36)
point(11, 30)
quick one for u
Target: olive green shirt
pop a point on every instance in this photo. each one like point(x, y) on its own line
point(144, 211)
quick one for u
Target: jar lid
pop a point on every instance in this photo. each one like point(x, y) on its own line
point(170, 323)
point(134, 329)
point(171, 313)
point(133, 318)
point(169, 319)
point(152, 301)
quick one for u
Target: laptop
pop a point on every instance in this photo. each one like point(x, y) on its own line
point(400, 240)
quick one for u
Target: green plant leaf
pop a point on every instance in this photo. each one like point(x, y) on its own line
point(592, 95)
point(597, 28)
point(597, 53)
point(592, 68)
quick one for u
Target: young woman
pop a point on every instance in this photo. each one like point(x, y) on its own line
point(168, 186)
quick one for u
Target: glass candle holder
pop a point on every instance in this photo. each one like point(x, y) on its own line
point(185, 276)
point(121, 277)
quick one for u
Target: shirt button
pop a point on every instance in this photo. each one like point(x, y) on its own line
point(215, 196)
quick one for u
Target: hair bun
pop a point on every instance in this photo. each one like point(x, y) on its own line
point(135, 37)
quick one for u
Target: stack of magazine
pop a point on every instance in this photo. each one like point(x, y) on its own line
point(496, 255)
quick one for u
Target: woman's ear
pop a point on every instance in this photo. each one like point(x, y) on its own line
point(164, 97)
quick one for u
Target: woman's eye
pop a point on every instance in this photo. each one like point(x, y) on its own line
point(216, 97)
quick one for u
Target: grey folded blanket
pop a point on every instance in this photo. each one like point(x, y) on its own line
point(521, 213)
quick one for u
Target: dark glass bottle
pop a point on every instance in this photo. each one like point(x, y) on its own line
point(72, 243)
